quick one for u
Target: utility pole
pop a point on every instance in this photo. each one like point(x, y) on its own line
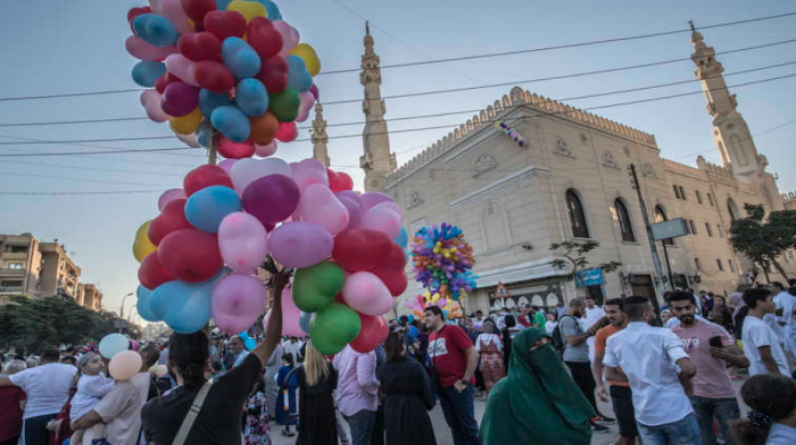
point(655, 259)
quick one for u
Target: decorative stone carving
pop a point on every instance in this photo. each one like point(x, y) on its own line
point(648, 171)
point(415, 200)
point(563, 149)
point(609, 161)
point(483, 165)
point(583, 137)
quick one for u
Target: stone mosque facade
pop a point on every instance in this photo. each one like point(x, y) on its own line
point(570, 181)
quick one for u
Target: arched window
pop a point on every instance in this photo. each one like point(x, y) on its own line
point(577, 216)
point(660, 216)
point(733, 209)
point(624, 221)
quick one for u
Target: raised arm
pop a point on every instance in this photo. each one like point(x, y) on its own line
point(273, 334)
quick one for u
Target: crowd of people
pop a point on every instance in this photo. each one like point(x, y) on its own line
point(669, 376)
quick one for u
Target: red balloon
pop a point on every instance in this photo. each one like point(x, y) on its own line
point(200, 46)
point(339, 181)
point(374, 331)
point(135, 12)
point(151, 274)
point(391, 271)
point(287, 132)
point(190, 255)
point(273, 74)
point(198, 9)
point(225, 24)
point(171, 219)
point(358, 250)
point(346, 182)
point(214, 76)
point(263, 37)
point(235, 150)
point(205, 176)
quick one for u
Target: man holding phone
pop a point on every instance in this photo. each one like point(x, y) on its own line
point(711, 351)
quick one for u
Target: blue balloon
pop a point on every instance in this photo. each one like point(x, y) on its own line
point(304, 321)
point(403, 238)
point(144, 305)
point(113, 344)
point(145, 73)
point(252, 97)
point(206, 208)
point(203, 133)
point(232, 123)
point(250, 344)
point(209, 101)
point(270, 7)
point(240, 58)
point(222, 4)
point(185, 307)
point(155, 30)
point(411, 318)
point(298, 77)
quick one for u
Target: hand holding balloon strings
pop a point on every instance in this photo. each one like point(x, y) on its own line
point(273, 334)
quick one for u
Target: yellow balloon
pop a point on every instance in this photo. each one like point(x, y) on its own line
point(310, 57)
point(186, 124)
point(249, 10)
point(142, 246)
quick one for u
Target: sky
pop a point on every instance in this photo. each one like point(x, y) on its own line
point(56, 46)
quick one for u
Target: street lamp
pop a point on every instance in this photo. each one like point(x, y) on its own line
point(121, 314)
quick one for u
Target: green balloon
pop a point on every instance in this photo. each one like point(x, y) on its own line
point(315, 287)
point(285, 105)
point(332, 328)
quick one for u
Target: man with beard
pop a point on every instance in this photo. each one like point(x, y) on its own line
point(711, 350)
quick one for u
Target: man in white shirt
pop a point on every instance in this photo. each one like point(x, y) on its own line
point(292, 347)
point(760, 343)
point(47, 388)
point(783, 302)
point(238, 349)
point(656, 365)
point(592, 315)
point(478, 321)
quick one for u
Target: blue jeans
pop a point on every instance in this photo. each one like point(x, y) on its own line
point(683, 432)
point(725, 410)
point(459, 413)
point(361, 425)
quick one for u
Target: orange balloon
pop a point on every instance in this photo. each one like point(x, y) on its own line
point(264, 128)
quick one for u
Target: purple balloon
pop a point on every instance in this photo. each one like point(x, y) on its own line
point(179, 99)
point(354, 207)
point(271, 199)
point(237, 301)
point(371, 199)
point(314, 91)
point(300, 244)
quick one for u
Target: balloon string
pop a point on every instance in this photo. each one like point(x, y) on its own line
point(212, 153)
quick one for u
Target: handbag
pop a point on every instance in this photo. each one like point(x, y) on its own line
point(190, 418)
point(435, 383)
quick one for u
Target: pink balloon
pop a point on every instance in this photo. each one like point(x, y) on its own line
point(227, 164)
point(371, 199)
point(287, 132)
point(172, 10)
point(189, 140)
point(300, 244)
point(319, 205)
point(139, 49)
point(237, 301)
point(235, 150)
point(383, 218)
point(125, 365)
point(243, 242)
point(290, 316)
point(264, 151)
point(352, 203)
point(307, 101)
point(315, 92)
point(364, 292)
point(309, 171)
point(181, 67)
point(150, 99)
point(290, 37)
point(170, 195)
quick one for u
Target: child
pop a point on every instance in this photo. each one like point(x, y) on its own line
point(286, 400)
point(256, 430)
point(93, 385)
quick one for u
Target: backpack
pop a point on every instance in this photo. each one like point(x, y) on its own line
point(559, 344)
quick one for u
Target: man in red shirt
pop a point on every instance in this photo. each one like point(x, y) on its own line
point(12, 402)
point(454, 360)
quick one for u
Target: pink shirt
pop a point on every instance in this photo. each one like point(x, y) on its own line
point(712, 381)
point(357, 386)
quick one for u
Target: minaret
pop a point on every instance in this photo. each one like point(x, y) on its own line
point(378, 162)
point(732, 135)
point(319, 137)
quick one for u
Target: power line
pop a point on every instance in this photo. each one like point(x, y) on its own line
point(454, 59)
point(119, 192)
point(80, 167)
point(66, 178)
point(761, 133)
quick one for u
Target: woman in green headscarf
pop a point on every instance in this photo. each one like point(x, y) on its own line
point(538, 403)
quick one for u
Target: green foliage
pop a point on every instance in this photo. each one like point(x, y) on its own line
point(52, 321)
point(763, 240)
point(574, 253)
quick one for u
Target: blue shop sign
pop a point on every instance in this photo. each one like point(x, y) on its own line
point(590, 277)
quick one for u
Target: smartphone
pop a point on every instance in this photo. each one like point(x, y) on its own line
point(715, 341)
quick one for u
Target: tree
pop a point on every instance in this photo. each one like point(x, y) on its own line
point(763, 240)
point(574, 253)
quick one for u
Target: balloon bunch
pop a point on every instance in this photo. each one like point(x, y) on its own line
point(199, 257)
point(443, 261)
point(511, 133)
point(125, 363)
point(233, 66)
point(450, 308)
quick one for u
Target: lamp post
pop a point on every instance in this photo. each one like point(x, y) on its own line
point(121, 312)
